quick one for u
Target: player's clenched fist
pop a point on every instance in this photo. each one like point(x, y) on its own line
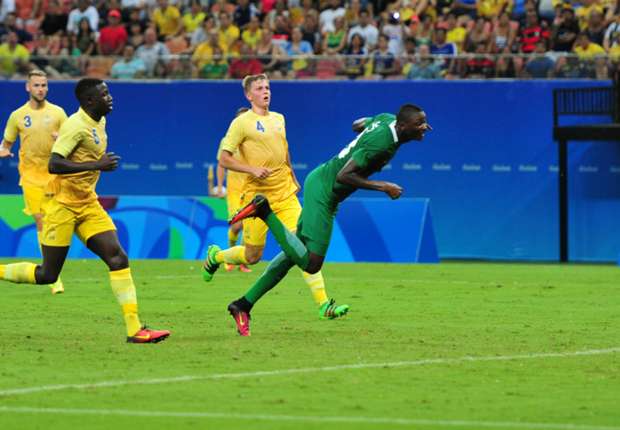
point(108, 162)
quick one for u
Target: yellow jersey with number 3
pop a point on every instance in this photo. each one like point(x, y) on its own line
point(81, 140)
point(36, 129)
point(261, 142)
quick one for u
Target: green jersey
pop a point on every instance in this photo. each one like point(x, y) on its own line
point(372, 149)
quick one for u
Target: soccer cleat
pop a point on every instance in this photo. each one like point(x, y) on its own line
point(229, 267)
point(210, 266)
point(147, 335)
point(330, 310)
point(245, 269)
point(241, 317)
point(57, 288)
point(258, 207)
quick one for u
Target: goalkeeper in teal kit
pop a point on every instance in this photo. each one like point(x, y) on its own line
point(324, 188)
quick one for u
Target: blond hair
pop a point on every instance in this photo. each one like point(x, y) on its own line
point(37, 72)
point(250, 79)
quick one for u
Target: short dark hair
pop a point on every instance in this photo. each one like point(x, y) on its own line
point(406, 111)
point(84, 87)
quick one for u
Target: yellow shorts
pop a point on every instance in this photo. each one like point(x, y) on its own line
point(233, 202)
point(33, 199)
point(60, 222)
point(255, 230)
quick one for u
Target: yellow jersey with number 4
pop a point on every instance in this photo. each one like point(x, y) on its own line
point(36, 129)
point(261, 142)
point(81, 140)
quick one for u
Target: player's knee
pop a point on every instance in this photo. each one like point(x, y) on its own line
point(118, 260)
point(253, 255)
point(314, 265)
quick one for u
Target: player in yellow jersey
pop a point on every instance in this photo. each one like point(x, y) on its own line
point(78, 156)
point(259, 136)
point(36, 124)
point(234, 190)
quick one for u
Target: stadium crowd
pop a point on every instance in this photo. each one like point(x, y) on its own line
point(295, 39)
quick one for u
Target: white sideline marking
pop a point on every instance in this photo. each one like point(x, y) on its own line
point(302, 418)
point(264, 373)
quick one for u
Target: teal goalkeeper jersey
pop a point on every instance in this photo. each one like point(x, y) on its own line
point(372, 149)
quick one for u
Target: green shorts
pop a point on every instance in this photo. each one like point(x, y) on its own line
point(316, 221)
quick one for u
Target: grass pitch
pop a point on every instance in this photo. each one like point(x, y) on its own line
point(465, 346)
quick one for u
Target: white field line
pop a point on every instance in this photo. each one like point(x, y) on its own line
point(307, 419)
point(281, 372)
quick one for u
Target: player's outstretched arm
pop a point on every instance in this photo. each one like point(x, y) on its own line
point(359, 125)
point(5, 148)
point(351, 174)
point(229, 162)
point(59, 165)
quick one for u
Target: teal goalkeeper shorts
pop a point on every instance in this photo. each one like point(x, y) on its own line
point(316, 221)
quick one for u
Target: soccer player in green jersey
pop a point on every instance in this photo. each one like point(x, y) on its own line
point(324, 188)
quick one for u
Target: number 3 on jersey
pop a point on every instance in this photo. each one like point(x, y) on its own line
point(351, 145)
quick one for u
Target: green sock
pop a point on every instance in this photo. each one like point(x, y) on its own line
point(277, 269)
point(290, 244)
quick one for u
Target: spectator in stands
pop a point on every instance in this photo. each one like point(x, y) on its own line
point(152, 51)
point(540, 66)
point(583, 13)
point(492, 9)
point(310, 30)
point(478, 35)
point(355, 61)
point(6, 7)
point(564, 30)
point(192, 20)
point(335, 41)
point(441, 46)
point(455, 33)
point(572, 68)
point(228, 32)
point(135, 18)
point(85, 40)
point(135, 37)
point(383, 62)
point(103, 8)
point(270, 55)
point(204, 52)
point(14, 57)
point(167, 18)
point(10, 25)
point(202, 33)
point(279, 10)
point(113, 38)
point(244, 13)
point(299, 51)
point(253, 33)
point(611, 33)
point(395, 30)
point(216, 69)
point(465, 7)
point(54, 20)
point(481, 65)
point(424, 32)
point(503, 36)
point(532, 32)
point(29, 12)
point(586, 49)
point(299, 12)
point(352, 13)
point(245, 65)
point(281, 31)
point(129, 67)
point(329, 15)
point(84, 10)
point(424, 67)
point(596, 27)
point(364, 28)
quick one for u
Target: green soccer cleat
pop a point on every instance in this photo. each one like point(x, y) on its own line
point(330, 310)
point(210, 266)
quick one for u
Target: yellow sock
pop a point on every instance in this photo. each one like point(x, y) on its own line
point(232, 237)
point(57, 286)
point(317, 286)
point(125, 292)
point(20, 273)
point(234, 255)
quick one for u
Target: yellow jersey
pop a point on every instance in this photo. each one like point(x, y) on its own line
point(261, 141)
point(35, 128)
point(81, 139)
point(167, 21)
